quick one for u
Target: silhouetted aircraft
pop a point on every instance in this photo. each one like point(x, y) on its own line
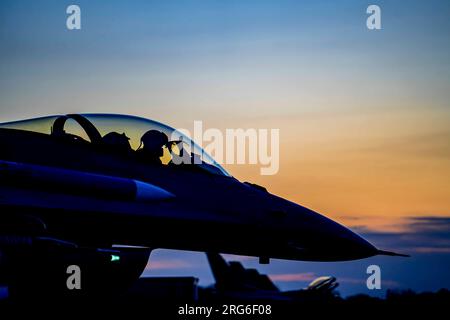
point(100, 191)
point(234, 282)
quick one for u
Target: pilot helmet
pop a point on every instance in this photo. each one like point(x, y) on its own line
point(153, 140)
point(117, 141)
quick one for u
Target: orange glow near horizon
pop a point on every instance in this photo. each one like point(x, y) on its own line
point(362, 170)
point(372, 169)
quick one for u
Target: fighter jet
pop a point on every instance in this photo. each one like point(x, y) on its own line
point(234, 282)
point(100, 191)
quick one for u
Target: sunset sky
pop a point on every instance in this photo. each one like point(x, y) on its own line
point(364, 116)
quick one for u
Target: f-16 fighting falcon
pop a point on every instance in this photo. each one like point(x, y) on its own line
point(100, 191)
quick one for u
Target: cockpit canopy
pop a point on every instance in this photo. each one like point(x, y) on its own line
point(123, 132)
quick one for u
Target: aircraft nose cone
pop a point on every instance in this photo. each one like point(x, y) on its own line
point(326, 240)
point(349, 245)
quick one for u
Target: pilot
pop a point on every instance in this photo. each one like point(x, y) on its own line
point(152, 143)
point(116, 142)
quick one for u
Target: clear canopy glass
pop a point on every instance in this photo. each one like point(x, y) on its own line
point(180, 146)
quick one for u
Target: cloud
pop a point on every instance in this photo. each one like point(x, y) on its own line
point(233, 257)
point(432, 250)
point(290, 277)
point(169, 264)
point(362, 281)
point(420, 235)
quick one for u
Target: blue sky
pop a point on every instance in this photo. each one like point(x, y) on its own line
point(253, 53)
